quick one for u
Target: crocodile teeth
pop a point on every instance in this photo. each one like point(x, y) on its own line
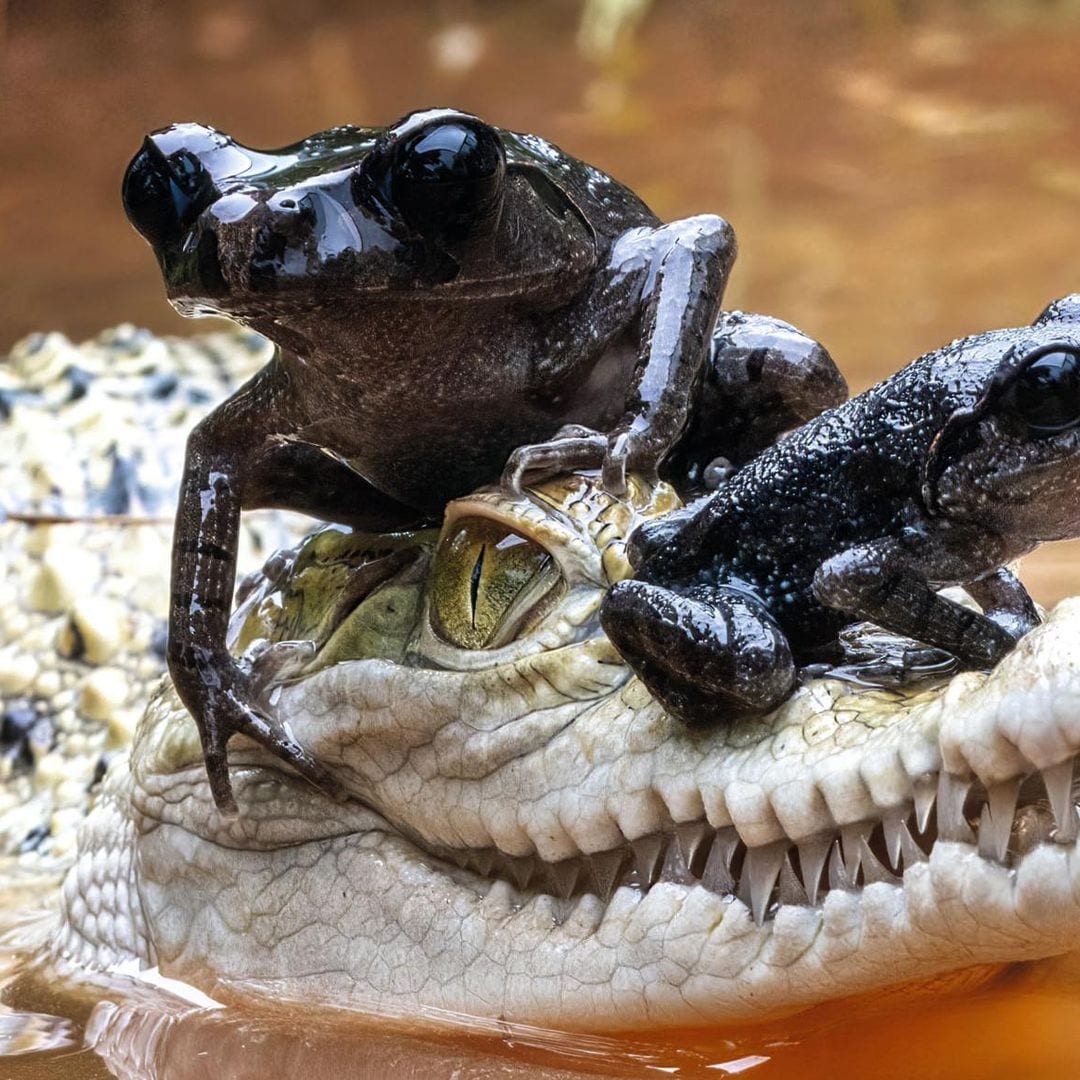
point(995, 824)
point(694, 837)
point(1013, 818)
point(648, 853)
point(1058, 781)
point(481, 862)
point(891, 825)
point(675, 868)
point(838, 875)
point(852, 839)
point(760, 870)
point(717, 875)
point(790, 889)
point(910, 852)
point(951, 823)
point(606, 868)
point(924, 793)
point(522, 871)
point(564, 876)
point(872, 867)
point(812, 856)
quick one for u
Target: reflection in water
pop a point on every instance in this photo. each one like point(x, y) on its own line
point(1012, 1023)
point(898, 174)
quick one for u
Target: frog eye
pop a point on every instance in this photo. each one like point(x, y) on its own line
point(488, 583)
point(163, 195)
point(1046, 393)
point(448, 177)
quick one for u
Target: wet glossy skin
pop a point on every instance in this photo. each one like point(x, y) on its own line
point(451, 301)
point(964, 460)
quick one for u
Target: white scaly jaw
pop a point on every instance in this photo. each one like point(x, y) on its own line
point(531, 837)
point(710, 913)
point(585, 791)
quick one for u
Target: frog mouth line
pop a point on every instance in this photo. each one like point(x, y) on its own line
point(1002, 824)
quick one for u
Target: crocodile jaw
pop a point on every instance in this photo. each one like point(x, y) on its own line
point(363, 906)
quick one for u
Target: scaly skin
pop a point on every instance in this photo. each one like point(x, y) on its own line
point(529, 837)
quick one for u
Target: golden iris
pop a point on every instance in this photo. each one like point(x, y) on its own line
point(487, 581)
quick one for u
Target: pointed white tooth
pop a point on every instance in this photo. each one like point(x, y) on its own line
point(648, 853)
point(996, 820)
point(838, 875)
point(910, 852)
point(606, 868)
point(924, 794)
point(694, 839)
point(789, 888)
point(675, 868)
point(951, 823)
point(758, 879)
point(891, 824)
point(501, 898)
point(852, 838)
point(873, 869)
point(563, 876)
point(812, 856)
point(717, 876)
point(1058, 781)
point(522, 870)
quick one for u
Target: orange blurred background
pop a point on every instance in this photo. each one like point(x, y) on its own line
point(898, 173)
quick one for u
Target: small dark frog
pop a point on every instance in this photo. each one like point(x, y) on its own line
point(451, 302)
point(963, 461)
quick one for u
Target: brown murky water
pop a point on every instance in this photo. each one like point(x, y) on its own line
point(899, 173)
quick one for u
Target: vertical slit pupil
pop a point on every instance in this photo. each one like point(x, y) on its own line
point(474, 584)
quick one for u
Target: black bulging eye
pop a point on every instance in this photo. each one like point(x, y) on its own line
point(446, 179)
point(1046, 393)
point(163, 196)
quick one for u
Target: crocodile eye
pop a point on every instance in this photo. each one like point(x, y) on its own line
point(1046, 393)
point(448, 177)
point(488, 583)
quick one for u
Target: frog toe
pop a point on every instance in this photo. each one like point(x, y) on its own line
point(539, 461)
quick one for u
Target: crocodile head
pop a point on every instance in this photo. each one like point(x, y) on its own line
point(530, 837)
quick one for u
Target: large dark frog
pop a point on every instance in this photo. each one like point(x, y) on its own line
point(940, 475)
point(452, 302)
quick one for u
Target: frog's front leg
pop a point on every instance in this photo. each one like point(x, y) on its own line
point(705, 653)
point(888, 582)
point(234, 462)
point(669, 282)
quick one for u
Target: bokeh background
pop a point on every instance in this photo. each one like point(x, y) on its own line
point(898, 172)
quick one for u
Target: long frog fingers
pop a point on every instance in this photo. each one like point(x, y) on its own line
point(885, 584)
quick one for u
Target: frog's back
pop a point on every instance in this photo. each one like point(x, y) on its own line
point(849, 476)
point(609, 207)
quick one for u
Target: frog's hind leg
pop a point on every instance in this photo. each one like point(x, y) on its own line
point(707, 654)
point(763, 377)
